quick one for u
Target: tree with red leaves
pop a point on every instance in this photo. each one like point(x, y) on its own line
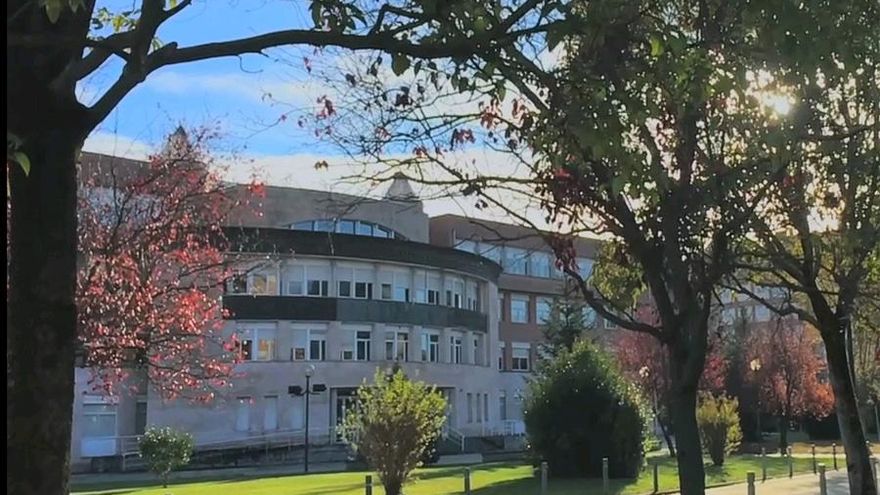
point(646, 362)
point(786, 371)
point(152, 262)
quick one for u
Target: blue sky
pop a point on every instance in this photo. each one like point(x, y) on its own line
point(228, 92)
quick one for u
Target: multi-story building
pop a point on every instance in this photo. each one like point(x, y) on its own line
point(341, 286)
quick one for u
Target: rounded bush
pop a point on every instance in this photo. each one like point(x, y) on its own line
point(579, 409)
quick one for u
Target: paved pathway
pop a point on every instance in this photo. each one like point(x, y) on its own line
point(799, 485)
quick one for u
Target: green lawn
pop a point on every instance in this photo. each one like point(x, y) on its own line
point(488, 479)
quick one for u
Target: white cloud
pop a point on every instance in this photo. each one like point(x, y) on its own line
point(110, 143)
point(254, 87)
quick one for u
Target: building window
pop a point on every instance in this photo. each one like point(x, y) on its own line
point(430, 347)
point(542, 310)
point(362, 346)
point(243, 414)
point(479, 409)
point(467, 246)
point(515, 261)
point(295, 276)
point(501, 356)
point(477, 349)
point(486, 407)
point(502, 405)
point(519, 308)
point(490, 251)
point(520, 358)
point(589, 315)
point(345, 226)
point(420, 290)
point(457, 293)
point(473, 296)
point(386, 291)
point(396, 346)
point(257, 283)
point(265, 344)
point(237, 284)
point(539, 264)
point(401, 286)
point(317, 347)
point(99, 417)
point(363, 283)
point(270, 412)
point(455, 349)
point(470, 408)
point(762, 313)
point(433, 296)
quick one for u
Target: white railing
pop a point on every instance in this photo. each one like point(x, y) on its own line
point(454, 435)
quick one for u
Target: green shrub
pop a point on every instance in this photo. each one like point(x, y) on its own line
point(719, 426)
point(394, 425)
point(579, 409)
point(165, 449)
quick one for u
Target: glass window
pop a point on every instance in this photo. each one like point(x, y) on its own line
point(473, 296)
point(362, 346)
point(237, 284)
point(455, 349)
point(470, 407)
point(401, 286)
point(364, 228)
point(590, 316)
point(486, 407)
point(478, 347)
point(306, 225)
point(324, 226)
point(520, 359)
point(264, 338)
point(501, 315)
point(490, 251)
point(381, 232)
point(345, 226)
point(420, 286)
point(479, 409)
point(762, 313)
point(519, 308)
point(542, 310)
point(344, 288)
point(295, 276)
point(539, 264)
point(467, 246)
point(317, 347)
point(502, 405)
point(515, 260)
point(317, 280)
point(265, 284)
point(397, 346)
point(430, 347)
point(99, 419)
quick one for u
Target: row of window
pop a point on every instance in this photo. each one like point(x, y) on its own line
point(480, 413)
point(518, 261)
point(348, 226)
point(259, 344)
point(359, 282)
point(520, 311)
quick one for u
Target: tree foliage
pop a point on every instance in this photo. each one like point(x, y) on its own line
point(784, 364)
point(153, 262)
point(565, 326)
point(165, 449)
point(579, 409)
point(718, 418)
point(392, 425)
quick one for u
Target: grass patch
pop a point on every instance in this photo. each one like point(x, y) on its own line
point(487, 479)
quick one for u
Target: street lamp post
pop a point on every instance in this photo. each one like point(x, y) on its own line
point(755, 366)
point(310, 370)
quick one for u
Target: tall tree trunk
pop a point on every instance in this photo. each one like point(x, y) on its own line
point(41, 318)
point(783, 434)
point(852, 431)
point(691, 474)
point(43, 112)
point(686, 361)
